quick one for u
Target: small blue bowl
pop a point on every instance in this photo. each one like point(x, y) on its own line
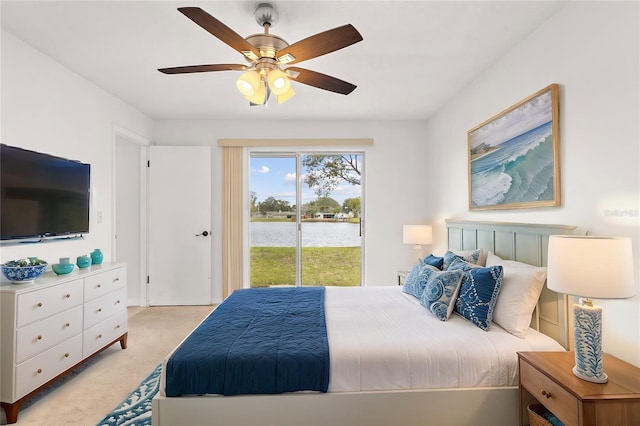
point(62, 268)
point(23, 274)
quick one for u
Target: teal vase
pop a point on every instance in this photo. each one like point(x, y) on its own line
point(96, 257)
point(83, 261)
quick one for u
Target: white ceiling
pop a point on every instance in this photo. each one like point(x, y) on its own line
point(414, 57)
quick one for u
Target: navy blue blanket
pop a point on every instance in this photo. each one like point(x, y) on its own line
point(259, 341)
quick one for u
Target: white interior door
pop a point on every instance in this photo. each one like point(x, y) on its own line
point(179, 225)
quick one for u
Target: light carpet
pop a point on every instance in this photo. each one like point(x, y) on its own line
point(83, 397)
point(135, 410)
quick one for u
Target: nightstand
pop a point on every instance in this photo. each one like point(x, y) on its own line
point(547, 378)
point(402, 276)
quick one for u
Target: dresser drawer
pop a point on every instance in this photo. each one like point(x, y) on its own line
point(36, 305)
point(42, 335)
point(560, 402)
point(103, 283)
point(47, 365)
point(103, 307)
point(105, 332)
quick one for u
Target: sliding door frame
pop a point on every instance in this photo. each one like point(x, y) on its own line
point(230, 277)
point(298, 154)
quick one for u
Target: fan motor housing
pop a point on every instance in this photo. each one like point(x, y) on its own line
point(267, 44)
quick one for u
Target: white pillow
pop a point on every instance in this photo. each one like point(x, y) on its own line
point(521, 287)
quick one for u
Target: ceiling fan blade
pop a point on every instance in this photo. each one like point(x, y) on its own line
point(219, 30)
point(320, 44)
point(322, 81)
point(202, 68)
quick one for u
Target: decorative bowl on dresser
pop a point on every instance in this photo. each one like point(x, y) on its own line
point(24, 271)
point(50, 326)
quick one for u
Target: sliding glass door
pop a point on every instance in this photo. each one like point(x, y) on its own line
point(306, 215)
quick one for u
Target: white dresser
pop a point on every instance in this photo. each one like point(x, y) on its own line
point(52, 325)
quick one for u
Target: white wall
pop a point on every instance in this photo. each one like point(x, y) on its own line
point(47, 108)
point(592, 50)
point(394, 195)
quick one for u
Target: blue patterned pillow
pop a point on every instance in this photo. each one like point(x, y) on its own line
point(471, 257)
point(440, 291)
point(434, 261)
point(411, 282)
point(478, 292)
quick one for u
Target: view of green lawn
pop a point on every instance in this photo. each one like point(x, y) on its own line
point(332, 266)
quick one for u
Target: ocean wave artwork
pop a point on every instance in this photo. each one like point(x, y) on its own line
point(519, 170)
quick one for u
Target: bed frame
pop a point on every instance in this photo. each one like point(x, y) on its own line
point(496, 406)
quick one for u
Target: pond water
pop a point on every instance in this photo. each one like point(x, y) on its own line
point(314, 234)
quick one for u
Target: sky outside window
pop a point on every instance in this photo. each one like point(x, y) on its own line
point(276, 177)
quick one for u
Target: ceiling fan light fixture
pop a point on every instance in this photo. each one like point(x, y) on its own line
point(286, 96)
point(260, 95)
point(278, 82)
point(249, 83)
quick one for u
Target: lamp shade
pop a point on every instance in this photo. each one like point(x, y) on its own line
point(249, 83)
point(590, 266)
point(278, 82)
point(286, 96)
point(417, 234)
point(260, 95)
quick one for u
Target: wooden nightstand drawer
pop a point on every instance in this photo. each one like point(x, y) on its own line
point(575, 401)
point(550, 394)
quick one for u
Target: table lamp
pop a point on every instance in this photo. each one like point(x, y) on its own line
point(417, 235)
point(590, 267)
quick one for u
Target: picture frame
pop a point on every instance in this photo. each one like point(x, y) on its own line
point(514, 157)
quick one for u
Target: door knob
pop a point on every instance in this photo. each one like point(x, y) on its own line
point(203, 233)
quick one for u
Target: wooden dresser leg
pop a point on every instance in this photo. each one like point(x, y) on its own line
point(11, 411)
point(123, 340)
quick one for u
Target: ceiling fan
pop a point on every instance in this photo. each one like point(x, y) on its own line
point(268, 55)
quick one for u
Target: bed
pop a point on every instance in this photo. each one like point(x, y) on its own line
point(380, 373)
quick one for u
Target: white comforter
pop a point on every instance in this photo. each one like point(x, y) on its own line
point(381, 338)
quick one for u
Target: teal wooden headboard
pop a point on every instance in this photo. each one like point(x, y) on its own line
point(523, 242)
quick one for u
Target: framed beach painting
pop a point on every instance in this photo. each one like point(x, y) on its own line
point(514, 156)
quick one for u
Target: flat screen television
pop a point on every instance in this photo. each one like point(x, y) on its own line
point(42, 195)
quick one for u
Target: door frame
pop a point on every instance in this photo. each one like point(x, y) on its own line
point(119, 132)
point(298, 152)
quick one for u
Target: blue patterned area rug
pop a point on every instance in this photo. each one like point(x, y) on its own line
point(135, 410)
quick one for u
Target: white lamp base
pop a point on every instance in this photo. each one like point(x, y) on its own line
point(417, 253)
point(602, 379)
point(588, 342)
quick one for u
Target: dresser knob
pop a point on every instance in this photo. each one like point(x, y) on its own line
point(117, 302)
point(39, 305)
point(99, 309)
point(546, 394)
point(117, 326)
point(66, 296)
point(67, 325)
point(99, 285)
point(66, 355)
point(116, 280)
point(39, 337)
point(39, 370)
point(99, 336)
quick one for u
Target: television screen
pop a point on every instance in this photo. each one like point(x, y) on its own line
point(42, 195)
